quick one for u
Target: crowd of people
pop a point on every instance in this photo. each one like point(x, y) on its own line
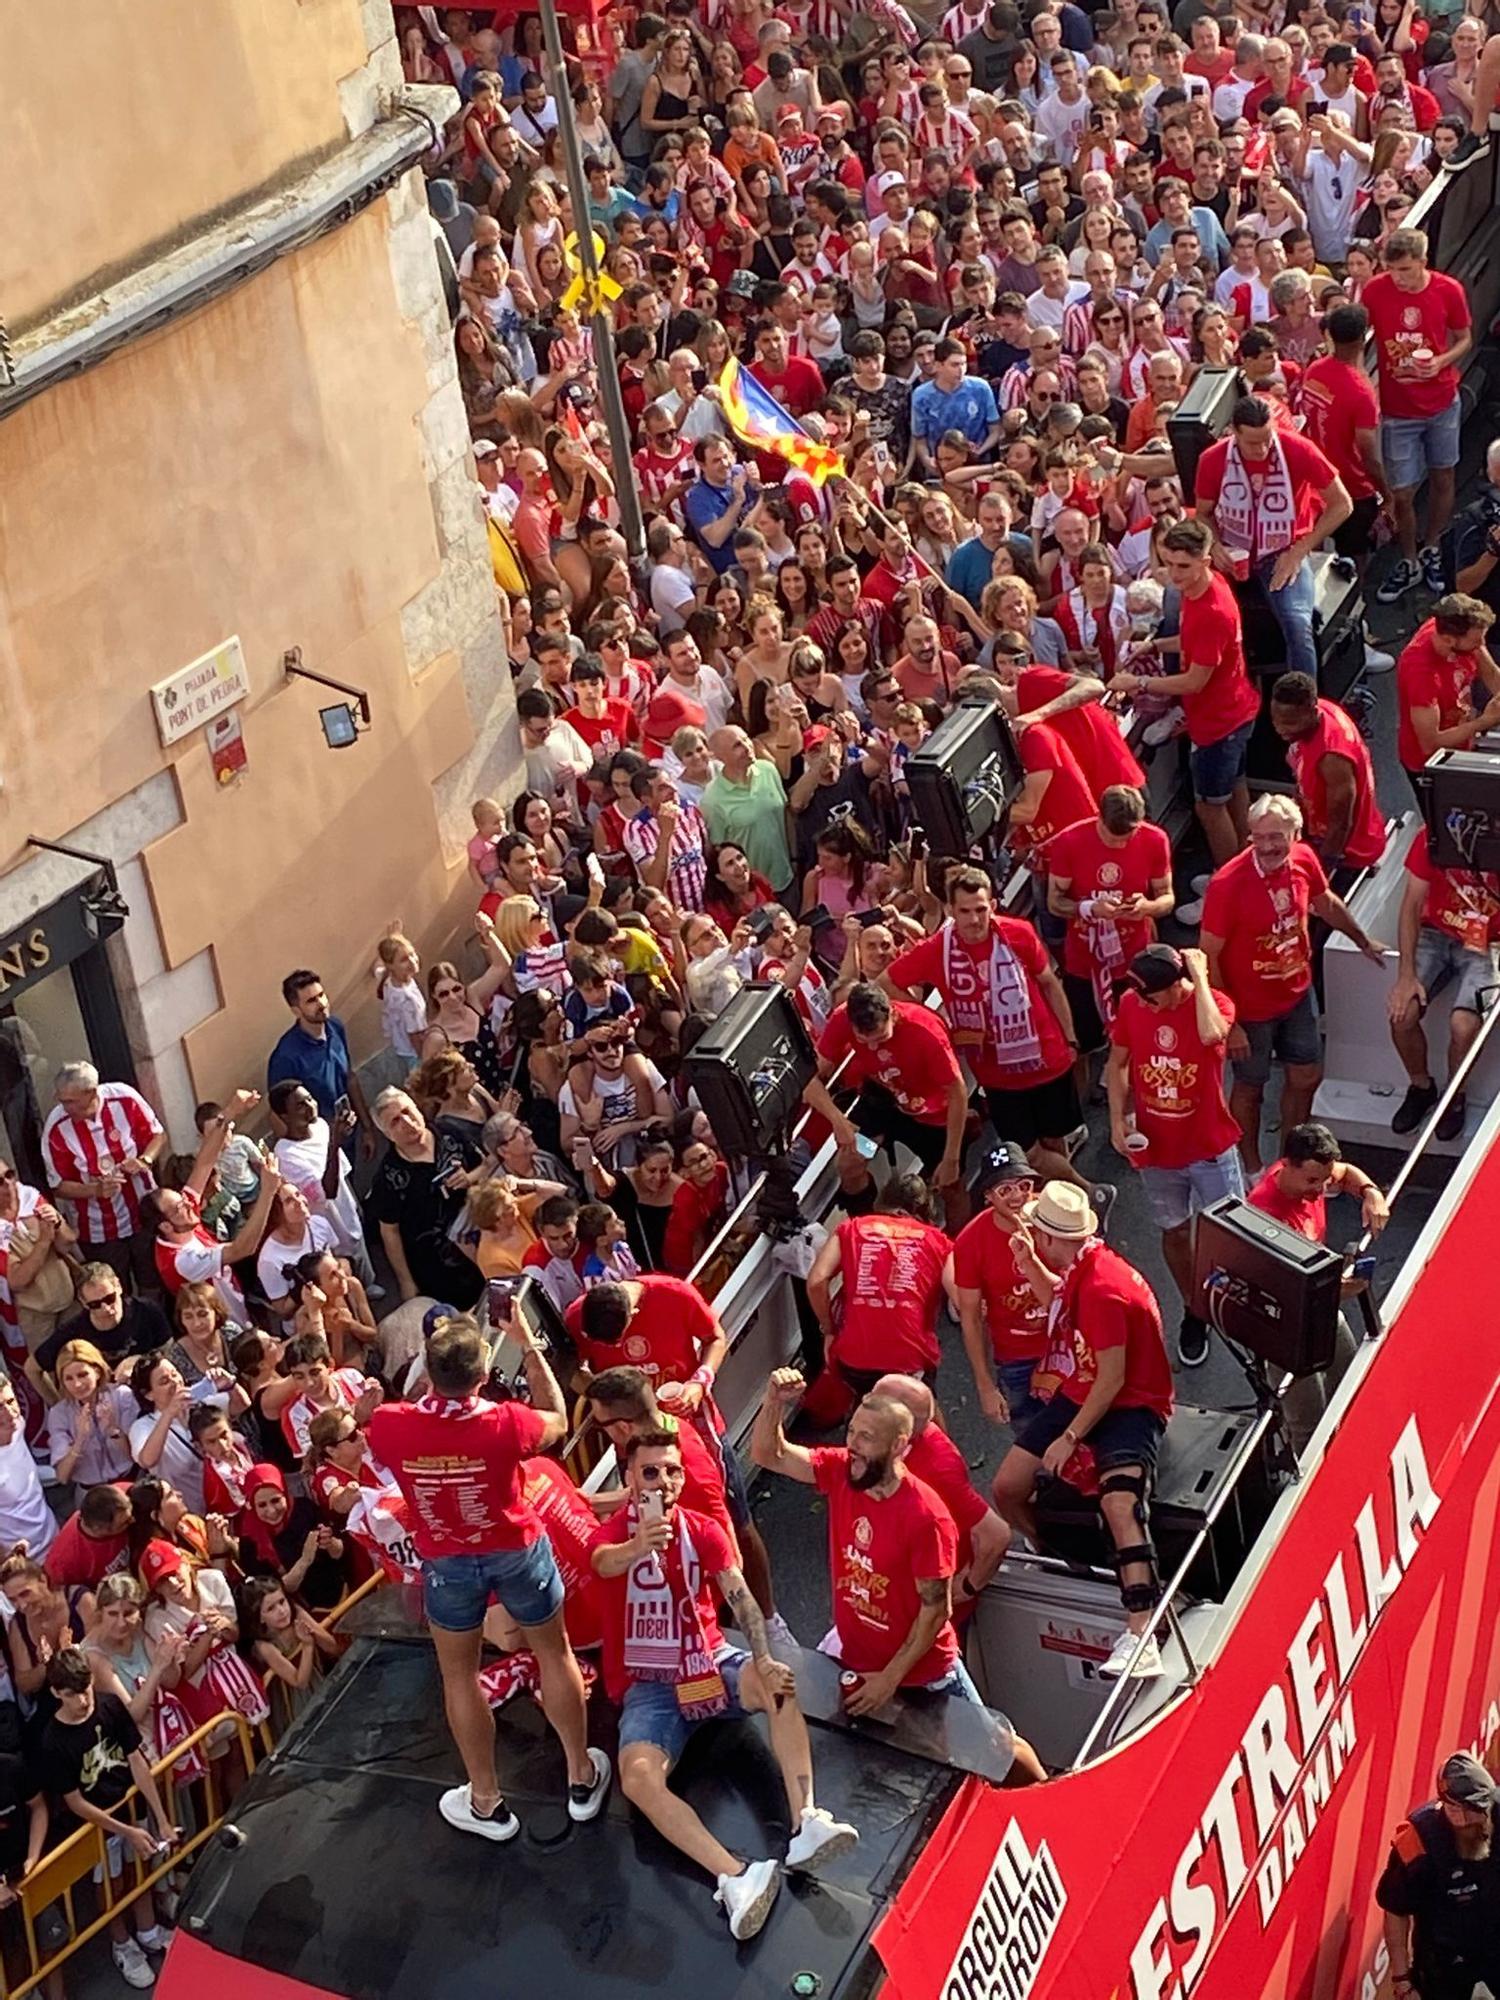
point(981, 267)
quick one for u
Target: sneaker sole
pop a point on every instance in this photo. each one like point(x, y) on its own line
point(594, 1804)
point(496, 1830)
point(1193, 1360)
point(747, 1922)
point(836, 1846)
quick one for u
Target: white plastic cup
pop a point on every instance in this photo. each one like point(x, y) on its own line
point(1137, 1142)
point(1239, 563)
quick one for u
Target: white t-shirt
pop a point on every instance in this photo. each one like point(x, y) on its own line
point(214, 1594)
point(1063, 124)
point(672, 595)
point(616, 1091)
point(180, 1461)
point(200, 1261)
point(302, 1162)
point(1330, 190)
point(403, 1014)
point(24, 1513)
point(1230, 95)
point(275, 1253)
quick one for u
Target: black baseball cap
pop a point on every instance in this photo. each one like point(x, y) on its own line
point(1158, 968)
point(1007, 1162)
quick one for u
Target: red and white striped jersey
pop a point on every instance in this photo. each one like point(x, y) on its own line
point(951, 133)
point(86, 1149)
point(1016, 382)
point(658, 472)
point(803, 277)
point(1078, 322)
point(1135, 380)
point(687, 862)
point(958, 23)
point(829, 18)
point(906, 111)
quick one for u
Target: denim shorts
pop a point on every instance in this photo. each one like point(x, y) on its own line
point(1218, 767)
point(957, 1681)
point(1412, 446)
point(1292, 1038)
point(736, 1492)
point(1442, 961)
point(1175, 1194)
point(650, 1711)
point(458, 1590)
point(1015, 1386)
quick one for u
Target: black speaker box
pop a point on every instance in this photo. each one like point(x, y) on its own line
point(964, 777)
point(749, 1070)
point(1266, 1286)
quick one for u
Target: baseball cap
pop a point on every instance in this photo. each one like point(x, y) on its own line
point(434, 1315)
point(815, 737)
point(832, 114)
point(1158, 968)
point(1007, 1162)
point(788, 113)
point(1465, 1780)
point(671, 710)
point(894, 179)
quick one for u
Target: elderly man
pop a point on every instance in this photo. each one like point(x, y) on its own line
point(99, 1142)
point(746, 805)
point(1046, 358)
point(1164, 379)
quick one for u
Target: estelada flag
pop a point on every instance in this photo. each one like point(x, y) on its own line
point(757, 419)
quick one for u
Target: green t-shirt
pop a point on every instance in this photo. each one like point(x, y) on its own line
point(753, 816)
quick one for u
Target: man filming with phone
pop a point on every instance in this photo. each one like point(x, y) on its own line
point(458, 1460)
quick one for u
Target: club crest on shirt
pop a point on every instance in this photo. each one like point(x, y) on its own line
point(1411, 315)
point(1281, 900)
point(636, 1347)
point(864, 1534)
point(1109, 874)
point(1166, 1038)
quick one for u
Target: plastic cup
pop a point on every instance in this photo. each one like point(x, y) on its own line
point(1239, 563)
point(1137, 1142)
point(1423, 355)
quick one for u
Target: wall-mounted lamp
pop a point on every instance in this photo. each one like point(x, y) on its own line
point(342, 721)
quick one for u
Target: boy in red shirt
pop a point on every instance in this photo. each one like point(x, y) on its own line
point(1114, 1392)
point(459, 1463)
point(670, 1668)
point(1215, 691)
point(1004, 1326)
point(606, 722)
point(1258, 943)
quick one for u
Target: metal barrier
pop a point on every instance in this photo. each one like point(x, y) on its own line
point(85, 1851)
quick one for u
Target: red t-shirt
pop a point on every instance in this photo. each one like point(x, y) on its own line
point(1404, 322)
point(936, 1460)
point(1090, 732)
point(1462, 902)
point(1212, 637)
point(616, 729)
point(1176, 1081)
point(1067, 798)
point(1337, 401)
point(916, 1063)
point(1307, 1214)
point(893, 1287)
point(1307, 468)
point(1105, 1303)
point(76, 1558)
point(1266, 963)
point(879, 1551)
point(715, 1554)
point(923, 965)
point(570, 1523)
point(1337, 736)
point(1425, 679)
point(798, 388)
point(460, 1472)
point(1085, 860)
point(668, 1331)
point(985, 1262)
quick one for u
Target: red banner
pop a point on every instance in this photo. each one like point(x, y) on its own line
point(1230, 1850)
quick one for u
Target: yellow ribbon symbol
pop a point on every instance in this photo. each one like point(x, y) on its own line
point(595, 294)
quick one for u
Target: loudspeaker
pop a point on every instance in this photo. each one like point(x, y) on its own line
point(1199, 419)
point(964, 777)
point(1265, 1286)
point(750, 1068)
point(1460, 795)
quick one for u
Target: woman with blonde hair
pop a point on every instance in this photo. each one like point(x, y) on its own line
point(398, 988)
point(125, 1663)
point(540, 222)
point(1009, 604)
point(88, 1426)
point(498, 1227)
point(521, 927)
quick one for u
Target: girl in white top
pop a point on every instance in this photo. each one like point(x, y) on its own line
point(160, 1441)
point(403, 1005)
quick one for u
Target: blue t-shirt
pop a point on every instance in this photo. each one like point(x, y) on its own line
point(971, 566)
point(969, 408)
point(323, 1065)
point(704, 504)
point(1211, 238)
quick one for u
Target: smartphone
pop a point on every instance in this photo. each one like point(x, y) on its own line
point(1318, 108)
point(760, 923)
point(341, 1105)
point(700, 378)
point(916, 847)
point(499, 1293)
point(814, 918)
point(1362, 1268)
point(652, 1505)
point(865, 918)
point(866, 1148)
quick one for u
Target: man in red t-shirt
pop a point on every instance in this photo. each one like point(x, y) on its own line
point(936, 1460)
point(1258, 942)
point(1167, 1113)
point(1055, 793)
point(1114, 1393)
point(94, 1542)
point(892, 1548)
point(1435, 677)
point(1422, 329)
point(1110, 877)
point(1215, 691)
point(604, 721)
point(1343, 421)
point(794, 381)
point(1007, 1010)
point(666, 1328)
point(893, 1268)
point(1003, 1323)
point(1446, 935)
point(1335, 776)
point(622, 1402)
point(1070, 703)
point(910, 1088)
point(1266, 492)
point(458, 1462)
point(656, 1565)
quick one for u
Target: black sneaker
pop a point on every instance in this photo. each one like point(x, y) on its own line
point(1430, 562)
point(1452, 1121)
point(1103, 1197)
point(1403, 579)
point(1192, 1341)
point(1414, 1107)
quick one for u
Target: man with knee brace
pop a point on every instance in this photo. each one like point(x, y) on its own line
point(1113, 1397)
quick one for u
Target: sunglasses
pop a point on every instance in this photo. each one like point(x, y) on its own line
point(603, 1042)
point(98, 1305)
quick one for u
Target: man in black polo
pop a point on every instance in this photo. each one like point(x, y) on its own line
point(1441, 1889)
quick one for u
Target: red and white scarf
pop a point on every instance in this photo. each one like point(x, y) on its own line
point(1104, 631)
point(1263, 522)
point(664, 1636)
point(995, 1008)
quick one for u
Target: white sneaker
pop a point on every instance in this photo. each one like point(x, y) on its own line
point(457, 1807)
point(780, 1633)
point(747, 1897)
point(1079, 1136)
point(1190, 914)
point(1199, 883)
point(1164, 728)
point(134, 1966)
point(586, 1802)
point(1147, 1667)
point(156, 1939)
point(819, 1839)
point(1378, 661)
